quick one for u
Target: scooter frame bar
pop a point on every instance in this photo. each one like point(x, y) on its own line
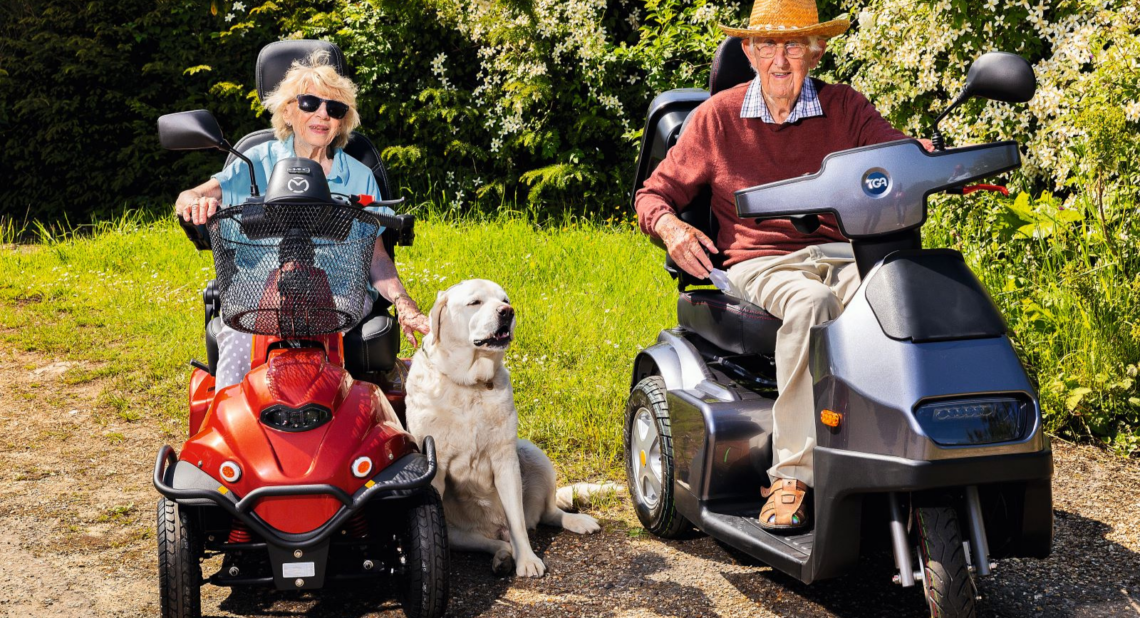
point(241, 508)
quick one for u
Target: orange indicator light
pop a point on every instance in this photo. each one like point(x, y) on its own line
point(829, 418)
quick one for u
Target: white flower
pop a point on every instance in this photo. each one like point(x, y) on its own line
point(1132, 111)
point(229, 16)
point(437, 67)
point(239, 6)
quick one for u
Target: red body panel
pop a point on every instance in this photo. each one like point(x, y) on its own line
point(201, 394)
point(363, 424)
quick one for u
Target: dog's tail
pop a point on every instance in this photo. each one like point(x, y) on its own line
point(584, 494)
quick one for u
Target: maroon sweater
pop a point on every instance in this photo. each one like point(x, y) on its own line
point(728, 153)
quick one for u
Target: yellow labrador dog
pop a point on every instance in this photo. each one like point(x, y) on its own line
point(494, 486)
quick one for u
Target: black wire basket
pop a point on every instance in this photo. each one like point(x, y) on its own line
point(293, 270)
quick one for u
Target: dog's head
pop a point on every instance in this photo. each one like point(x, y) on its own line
point(474, 313)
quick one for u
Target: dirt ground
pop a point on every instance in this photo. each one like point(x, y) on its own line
point(77, 539)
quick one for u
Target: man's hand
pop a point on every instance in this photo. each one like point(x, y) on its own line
point(927, 144)
point(686, 245)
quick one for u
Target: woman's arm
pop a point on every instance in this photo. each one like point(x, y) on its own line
point(387, 281)
point(199, 203)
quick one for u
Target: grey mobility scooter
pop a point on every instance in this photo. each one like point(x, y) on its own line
point(928, 430)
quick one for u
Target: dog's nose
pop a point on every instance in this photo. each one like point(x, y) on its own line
point(506, 311)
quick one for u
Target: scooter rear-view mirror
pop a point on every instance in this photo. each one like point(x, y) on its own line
point(193, 130)
point(998, 76)
point(198, 130)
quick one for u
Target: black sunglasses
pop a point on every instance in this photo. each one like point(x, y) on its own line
point(309, 103)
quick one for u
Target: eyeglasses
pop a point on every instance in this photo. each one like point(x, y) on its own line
point(767, 49)
point(310, 103)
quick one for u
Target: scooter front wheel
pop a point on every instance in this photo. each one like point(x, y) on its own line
point(946, 580)
point(424, 557)
point(649, 459)
point(179, 573)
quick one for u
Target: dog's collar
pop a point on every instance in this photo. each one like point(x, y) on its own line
point(490, 384)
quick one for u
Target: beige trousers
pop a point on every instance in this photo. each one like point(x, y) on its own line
point(804, 288)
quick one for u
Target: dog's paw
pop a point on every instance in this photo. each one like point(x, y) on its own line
point(503, 562)
point(530, 566)
point(580, 523)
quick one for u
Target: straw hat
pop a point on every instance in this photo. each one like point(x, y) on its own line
point(786, 18)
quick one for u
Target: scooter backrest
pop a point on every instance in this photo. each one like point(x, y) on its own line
point(276, 58)
point(730, 67)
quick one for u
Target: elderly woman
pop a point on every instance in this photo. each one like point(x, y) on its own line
point(780, 125)
point(314, 112)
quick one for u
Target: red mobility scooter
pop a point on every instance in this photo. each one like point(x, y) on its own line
point(302, 474)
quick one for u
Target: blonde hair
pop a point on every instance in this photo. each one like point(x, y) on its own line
point(318, 73)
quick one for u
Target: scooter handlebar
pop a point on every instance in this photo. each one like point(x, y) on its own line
point(198, 234)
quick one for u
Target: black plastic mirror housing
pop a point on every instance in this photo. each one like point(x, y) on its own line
point(193, 130)
point(1000, 76)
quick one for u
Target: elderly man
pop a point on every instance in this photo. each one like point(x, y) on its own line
point(780, 125)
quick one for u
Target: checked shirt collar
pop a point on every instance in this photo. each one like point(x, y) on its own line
point(807, 106)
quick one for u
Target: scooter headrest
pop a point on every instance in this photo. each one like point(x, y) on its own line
point(729, 67)
point(276, 58)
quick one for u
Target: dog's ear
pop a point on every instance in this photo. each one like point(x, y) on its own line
point(436, 316)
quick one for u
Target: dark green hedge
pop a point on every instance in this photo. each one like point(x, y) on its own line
point(82, 83)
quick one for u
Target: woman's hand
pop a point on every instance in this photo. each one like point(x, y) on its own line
point(196, 209)
point(686, 245)
point(198, 204)
point(411, 319)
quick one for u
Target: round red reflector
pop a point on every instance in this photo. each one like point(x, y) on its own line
point(361, 467)
point(230, 471)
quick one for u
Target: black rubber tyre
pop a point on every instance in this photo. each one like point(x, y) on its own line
point(949, 588)
point(423, 584)
point(179, 572)
point(649, 459)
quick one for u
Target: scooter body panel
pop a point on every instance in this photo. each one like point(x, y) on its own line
point(879, 446)
point(359, 422)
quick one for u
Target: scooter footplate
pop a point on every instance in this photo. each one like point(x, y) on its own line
point(786, 553)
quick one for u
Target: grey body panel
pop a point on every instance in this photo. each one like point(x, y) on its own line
point(185, 475)
point(721, 449)
point(877, 398)
point(909, 174)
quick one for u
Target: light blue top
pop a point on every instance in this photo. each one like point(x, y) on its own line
point(347, 177)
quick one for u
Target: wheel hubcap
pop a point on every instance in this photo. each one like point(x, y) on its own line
point(647, 471)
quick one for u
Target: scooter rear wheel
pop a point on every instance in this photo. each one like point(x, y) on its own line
point(423, 583)
point(649, 459)
point(946, 581)
point(179, 573)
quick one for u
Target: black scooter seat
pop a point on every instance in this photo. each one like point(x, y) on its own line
point(729, 323)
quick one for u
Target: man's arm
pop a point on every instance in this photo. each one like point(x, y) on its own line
point(688, 166)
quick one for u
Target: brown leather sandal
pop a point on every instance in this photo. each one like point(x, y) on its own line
point(785, 510)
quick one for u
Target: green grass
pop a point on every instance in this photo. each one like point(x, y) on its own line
point(589, 296)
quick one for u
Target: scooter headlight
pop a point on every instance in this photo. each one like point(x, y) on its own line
point(964, 422)
point(285, 418)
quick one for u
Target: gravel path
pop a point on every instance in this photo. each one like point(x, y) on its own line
point(77, 539)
